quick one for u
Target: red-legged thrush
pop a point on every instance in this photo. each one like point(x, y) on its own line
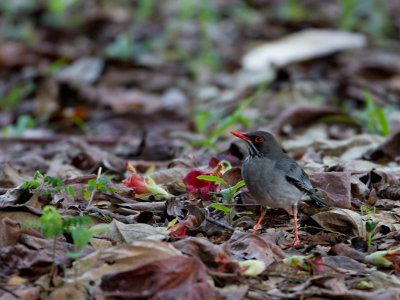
point(272, 177)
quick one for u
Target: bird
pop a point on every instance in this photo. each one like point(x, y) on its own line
point(272, 177)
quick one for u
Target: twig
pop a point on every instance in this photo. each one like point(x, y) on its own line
point(10, 292)
point(216, 222)
point(221, 274)
point(331, 231)
point(94, 191)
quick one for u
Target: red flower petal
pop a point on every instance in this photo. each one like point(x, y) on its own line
point(179, 230)
point(198, 187)
point(135, 181)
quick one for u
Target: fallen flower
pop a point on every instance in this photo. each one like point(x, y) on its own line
point(384, 258)
point(254, 267)
point(196, 187)
point(311, 263)
point(179, 230)
point(144, 187)
point(135, 181)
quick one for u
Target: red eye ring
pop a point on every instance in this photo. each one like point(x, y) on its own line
point(259, 139)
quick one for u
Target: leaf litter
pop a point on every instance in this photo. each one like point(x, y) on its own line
point(113, 121)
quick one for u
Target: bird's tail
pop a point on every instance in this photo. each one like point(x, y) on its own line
point(316, 198)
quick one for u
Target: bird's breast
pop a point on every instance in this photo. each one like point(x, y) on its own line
point(267, 184)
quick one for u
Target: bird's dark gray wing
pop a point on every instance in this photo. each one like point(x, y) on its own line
point(296, 176)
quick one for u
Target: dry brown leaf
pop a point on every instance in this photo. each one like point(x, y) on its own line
point(335, 186)
point(121, 258)
point(341, 220)
point(176, 277)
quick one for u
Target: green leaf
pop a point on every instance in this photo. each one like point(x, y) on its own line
point(82, 235)
point(382, 121)
point(75, 255)
point(221, 207)
point(51, 222)
point(227, 194)
point(30, 185)
point(213, 179)
point(370, 226)
point(87, 194)
point(237, 186)
point(37, 175)
point(244, 213)
point(71, 190)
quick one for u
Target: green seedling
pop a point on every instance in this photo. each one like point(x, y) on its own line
point(228, 195)
point(24, 122)
point(47, 184)
point(52, 225)
point(102, 184)
point(16, 95)
point(81, 236)
point(293, 10)
point(375, 117)
point(369, 225)
point(234, 118)
point(121, 48)
point(366, 15)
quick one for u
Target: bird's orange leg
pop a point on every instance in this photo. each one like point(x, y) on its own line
point(296, 238)
point(259, 222)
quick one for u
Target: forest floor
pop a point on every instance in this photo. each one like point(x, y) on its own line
point(110, 110)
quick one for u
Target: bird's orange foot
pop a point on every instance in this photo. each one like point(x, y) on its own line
point(294, 243)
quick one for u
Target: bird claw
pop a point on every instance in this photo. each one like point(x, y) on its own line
point(294, 243)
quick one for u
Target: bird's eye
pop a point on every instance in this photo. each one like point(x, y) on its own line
point(259, 139)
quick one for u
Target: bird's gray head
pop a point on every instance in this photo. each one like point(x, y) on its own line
point(260, 143)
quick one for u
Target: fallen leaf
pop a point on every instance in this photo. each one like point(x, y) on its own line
point(341, 220)
point(335, 186)
point(176, 277)
point(280, 52)
point(121, 258)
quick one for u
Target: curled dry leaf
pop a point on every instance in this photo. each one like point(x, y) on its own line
point(129, 233)
point(121, 258)
point(344, 250)
point(9, 232)
point(176, 277)
point(199, 248)
point(389, 150)
point(297, 116)
point(331, 147)
point(341, 220)
point(233, 176)
point(249, 246)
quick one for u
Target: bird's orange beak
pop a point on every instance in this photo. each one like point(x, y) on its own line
point(240, 135)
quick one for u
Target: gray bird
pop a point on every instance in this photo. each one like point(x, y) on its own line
point(272, 177)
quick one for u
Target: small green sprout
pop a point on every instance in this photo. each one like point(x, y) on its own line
point(102, 184)
point(228, 195)
point(52, 225)
point(369, 225)
point(42, 183)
